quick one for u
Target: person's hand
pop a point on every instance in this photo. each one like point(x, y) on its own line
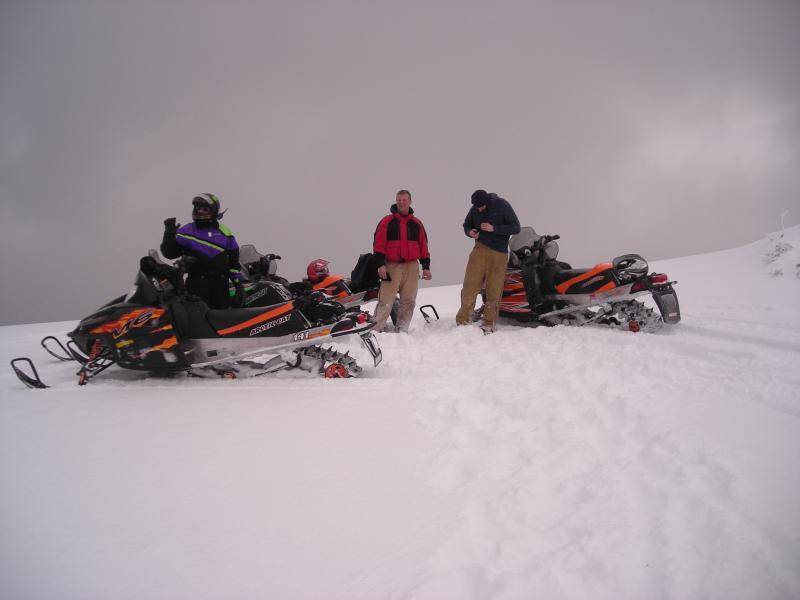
point(473, 233)
point(382, 272)
point(426, 274)
point(170, 226)
point(487, 226)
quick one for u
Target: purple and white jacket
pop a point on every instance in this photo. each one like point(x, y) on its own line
point(213, 244)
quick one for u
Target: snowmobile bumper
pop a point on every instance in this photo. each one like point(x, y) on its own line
point(371, 344)
point(667, 302)
point(426, 315)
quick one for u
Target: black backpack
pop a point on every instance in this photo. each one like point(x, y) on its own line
point(365, 273)
point(319, 310)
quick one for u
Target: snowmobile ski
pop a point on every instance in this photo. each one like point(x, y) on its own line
point(63, 353)
point(34, 382)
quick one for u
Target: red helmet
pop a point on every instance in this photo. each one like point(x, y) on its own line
point(317, 270)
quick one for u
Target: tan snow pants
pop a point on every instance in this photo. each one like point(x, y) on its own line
point(405, 280)
point(487, 265)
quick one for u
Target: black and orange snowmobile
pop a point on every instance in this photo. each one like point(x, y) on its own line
point(158, 327)
point(539, 289)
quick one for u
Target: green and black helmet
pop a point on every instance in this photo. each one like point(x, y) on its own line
point(205, 207)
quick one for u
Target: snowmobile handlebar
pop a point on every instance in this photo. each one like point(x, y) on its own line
point(171, 277)
point(538, 245)
point(546, 239)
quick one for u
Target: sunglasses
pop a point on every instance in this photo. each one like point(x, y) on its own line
point(202, 206)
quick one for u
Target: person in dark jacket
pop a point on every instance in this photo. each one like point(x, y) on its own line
point(490, 222)
point(213, 248)
point(400, 247)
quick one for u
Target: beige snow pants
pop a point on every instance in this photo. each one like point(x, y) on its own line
point(405, 280)
point(487, 265)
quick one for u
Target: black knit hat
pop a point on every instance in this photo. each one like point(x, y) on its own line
point(480, 198)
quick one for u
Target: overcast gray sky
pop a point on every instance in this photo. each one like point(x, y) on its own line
point(665, 128)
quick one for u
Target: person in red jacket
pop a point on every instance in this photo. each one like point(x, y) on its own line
point(400, 247)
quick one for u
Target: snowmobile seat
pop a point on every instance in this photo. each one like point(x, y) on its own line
point(230, 317)
point(562, 275)
point(189, 319)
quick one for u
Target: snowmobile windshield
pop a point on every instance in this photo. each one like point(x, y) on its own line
point(526, 238)
point(249, 254)
point(152, 253)
point(146, 290)
point(551, 250)
point(252, 262)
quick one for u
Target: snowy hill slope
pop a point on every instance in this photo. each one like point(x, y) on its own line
point(533, 463)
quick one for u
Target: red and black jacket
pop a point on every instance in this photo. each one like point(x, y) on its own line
point(401, 238)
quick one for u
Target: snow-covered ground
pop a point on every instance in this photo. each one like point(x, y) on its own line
point(534, 463)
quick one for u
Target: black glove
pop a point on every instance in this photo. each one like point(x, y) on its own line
point(170, 226)
point(239, 297)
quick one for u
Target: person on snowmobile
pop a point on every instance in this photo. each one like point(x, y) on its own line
point(490, 222)
point(400, 246)
point(213, 250)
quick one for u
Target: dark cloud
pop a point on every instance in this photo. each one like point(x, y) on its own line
point(664, 128)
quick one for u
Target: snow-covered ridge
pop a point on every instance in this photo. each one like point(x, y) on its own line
point(533, 463)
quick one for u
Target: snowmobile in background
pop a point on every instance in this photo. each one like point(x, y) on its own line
point(265, 286)
point(539, 289)
point(158, 327)
point(262, 269)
